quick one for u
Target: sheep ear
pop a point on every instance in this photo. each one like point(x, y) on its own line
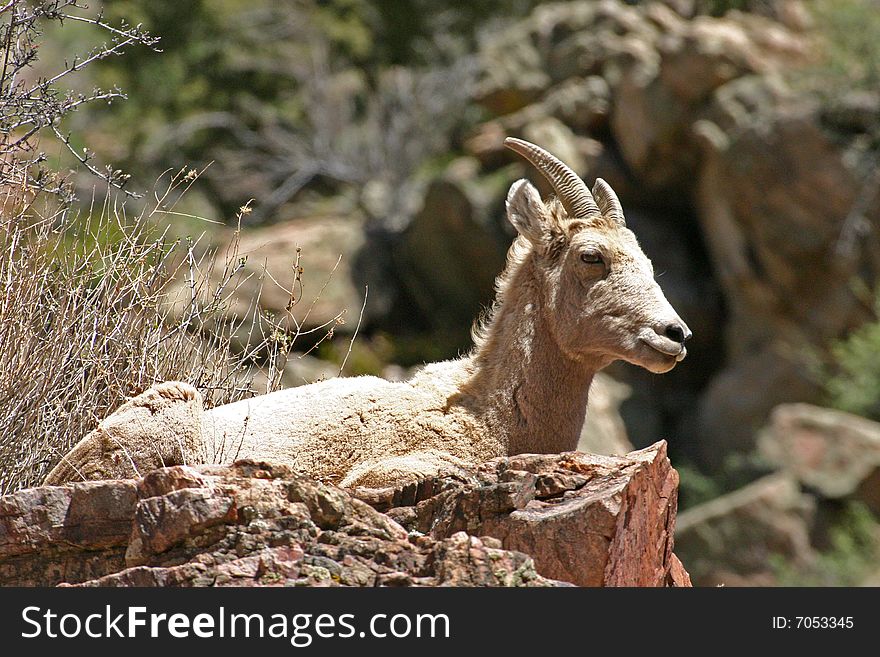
point(527, 212)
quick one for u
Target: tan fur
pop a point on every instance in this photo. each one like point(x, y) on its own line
point(555, 323)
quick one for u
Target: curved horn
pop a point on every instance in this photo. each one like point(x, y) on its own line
point(608, 201)
point(572, 191)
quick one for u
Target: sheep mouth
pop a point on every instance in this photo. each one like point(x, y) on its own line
point(668, 348)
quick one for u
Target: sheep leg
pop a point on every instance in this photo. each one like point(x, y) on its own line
point(158, 428)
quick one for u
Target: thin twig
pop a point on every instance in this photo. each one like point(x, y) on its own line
point(354, 335)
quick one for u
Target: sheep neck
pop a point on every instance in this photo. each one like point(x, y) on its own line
point(532, 393)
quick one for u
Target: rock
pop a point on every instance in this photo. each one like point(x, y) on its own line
point(557, 42)
point(249, 524)
point(583, 104)
point(513, 76)
point(661, 89)
point(448, 257)
point(52, 533)
point(586, 519)
point(834, 453)
point(590, 38)
point(678, 577)
point(733, 539)
point(768, 154)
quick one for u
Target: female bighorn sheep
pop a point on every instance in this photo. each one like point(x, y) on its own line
point(577, 293)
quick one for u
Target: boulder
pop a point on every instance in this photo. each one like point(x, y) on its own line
point(447, 258)
point(734, 539)
point(512, 75)
point(587, 519)
point(836, 454)
point(661, 90)
point(787, 281)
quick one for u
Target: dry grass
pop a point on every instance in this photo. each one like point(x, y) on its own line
point(85, 322)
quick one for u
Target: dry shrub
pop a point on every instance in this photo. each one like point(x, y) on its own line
point(85, 322)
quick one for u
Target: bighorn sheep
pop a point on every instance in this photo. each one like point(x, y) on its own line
point(577, 293)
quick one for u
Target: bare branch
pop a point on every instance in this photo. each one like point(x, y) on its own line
point(113, 178)
point(356, 328)
point(27, 109)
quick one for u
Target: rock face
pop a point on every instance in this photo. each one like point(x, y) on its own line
point(244, 525)
point(586, 519)
point(766, 232)
point(834, 453)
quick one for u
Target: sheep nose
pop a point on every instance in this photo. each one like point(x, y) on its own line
point(678, 333)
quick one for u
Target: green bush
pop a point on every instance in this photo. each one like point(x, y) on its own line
point(852, 383)
point(852, 556)
point(849, 32)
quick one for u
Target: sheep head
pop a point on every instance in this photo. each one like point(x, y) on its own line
point(596, 284)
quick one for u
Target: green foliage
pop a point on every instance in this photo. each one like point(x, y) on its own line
point(695, 487)
point(721, 7)
point(853, 382)
point(850, 39)
point(736, 470)
point(852, 556)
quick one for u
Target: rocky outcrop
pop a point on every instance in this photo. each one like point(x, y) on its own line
point(586, 519)
point(834, 454)
point(530, 520)
point(244, 525)
point(783, 246)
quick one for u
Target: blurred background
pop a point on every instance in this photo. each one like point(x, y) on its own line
point(352, 151)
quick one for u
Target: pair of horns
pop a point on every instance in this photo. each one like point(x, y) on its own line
point(573, 192)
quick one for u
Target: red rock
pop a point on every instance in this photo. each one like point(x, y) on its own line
point(584, 519)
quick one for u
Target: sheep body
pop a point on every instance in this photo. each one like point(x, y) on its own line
point(341, 429)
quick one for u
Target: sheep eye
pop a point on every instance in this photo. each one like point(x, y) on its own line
point(591, 258)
